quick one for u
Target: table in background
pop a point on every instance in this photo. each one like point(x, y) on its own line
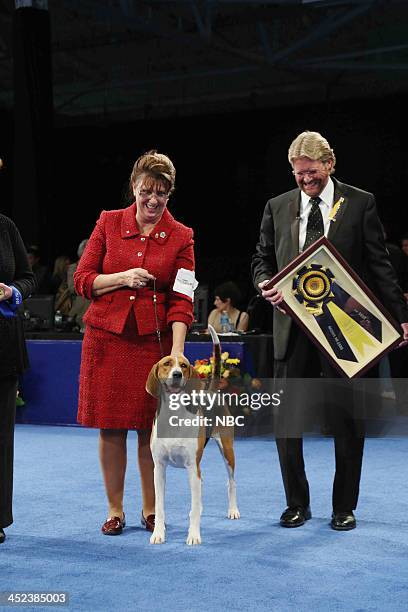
point(50, 386)
point(256, 356)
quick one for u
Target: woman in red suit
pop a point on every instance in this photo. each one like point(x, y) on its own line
point(132, 255)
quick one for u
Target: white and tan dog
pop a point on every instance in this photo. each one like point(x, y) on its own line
point(171, 375)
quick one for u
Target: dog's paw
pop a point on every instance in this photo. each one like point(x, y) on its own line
point(233, 513)
point(157, 537)
point(193, 538)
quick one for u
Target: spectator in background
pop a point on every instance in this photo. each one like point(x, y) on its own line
point(404, 244)
point(63, 301)
point(404, 248)
point(16, 283)
point(41, 272)
point(59, 274)
point(399, 262)
point(227, 296)
point(79, 304)
point(398, 358)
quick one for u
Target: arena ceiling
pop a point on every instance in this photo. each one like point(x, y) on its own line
point(129, 59)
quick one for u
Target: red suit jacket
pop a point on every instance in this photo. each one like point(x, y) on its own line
point(115, 246)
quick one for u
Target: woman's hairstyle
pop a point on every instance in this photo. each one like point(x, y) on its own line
point(60, 266)
point(33, 249)
point(156, 165)
point(312, 145)
point(228, 290)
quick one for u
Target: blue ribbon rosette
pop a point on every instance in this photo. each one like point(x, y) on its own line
point(346, 324)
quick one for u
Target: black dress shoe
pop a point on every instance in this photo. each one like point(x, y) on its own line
point(295, 517)
point(343, 521)
point(2, 536)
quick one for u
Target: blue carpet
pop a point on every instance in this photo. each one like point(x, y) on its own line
point(250, 564)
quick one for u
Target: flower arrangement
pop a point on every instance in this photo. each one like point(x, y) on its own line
point(229, 366)
point(232, 381)
point(231, 376)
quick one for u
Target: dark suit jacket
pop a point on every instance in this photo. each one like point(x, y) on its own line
point(14, 270)
point(356, 234)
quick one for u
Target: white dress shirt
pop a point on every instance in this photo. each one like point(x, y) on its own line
point(325, 205)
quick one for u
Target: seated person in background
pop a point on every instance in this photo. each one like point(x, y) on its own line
point(227, 296)
point(59, 285)
point(404, 244)
point(397, 359)
point(41, 272)
point(404, 247)
point(79, 304)
point(399, 262)
point(59, 275)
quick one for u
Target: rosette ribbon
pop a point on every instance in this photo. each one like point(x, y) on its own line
point(346, 324)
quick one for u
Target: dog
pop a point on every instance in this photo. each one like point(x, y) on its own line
point(170, 376)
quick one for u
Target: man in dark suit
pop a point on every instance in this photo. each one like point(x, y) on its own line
point(292, 222)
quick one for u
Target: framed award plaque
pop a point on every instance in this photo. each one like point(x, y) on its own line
point(336, 309)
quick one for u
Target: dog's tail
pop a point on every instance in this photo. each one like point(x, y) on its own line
point(216, 353)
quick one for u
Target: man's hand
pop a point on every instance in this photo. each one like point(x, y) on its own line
point(404, 327)
point(273, 296)
point(5, 292)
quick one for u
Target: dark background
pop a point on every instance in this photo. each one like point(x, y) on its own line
point(227, 165)
point(229, 161)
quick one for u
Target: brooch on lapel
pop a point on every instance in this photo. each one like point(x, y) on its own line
point(335, 209)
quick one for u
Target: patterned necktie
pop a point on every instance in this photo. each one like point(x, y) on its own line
point(315, 227)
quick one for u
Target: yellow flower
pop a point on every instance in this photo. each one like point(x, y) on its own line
point(226, 374)
point(232, 361)
point(335, 209)
point(204, 369)
point(224, 356)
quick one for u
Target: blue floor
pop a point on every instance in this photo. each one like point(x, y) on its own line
point(251, 564)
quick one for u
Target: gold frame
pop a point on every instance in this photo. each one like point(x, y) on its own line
point(351, 346)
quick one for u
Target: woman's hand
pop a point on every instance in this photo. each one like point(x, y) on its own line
point(136, 278)
point(5, 292)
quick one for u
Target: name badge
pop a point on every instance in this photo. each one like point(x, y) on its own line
point(185, 282)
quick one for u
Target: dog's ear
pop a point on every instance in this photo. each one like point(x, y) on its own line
point(152, 382)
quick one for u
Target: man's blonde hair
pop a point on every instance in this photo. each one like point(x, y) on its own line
point(312, 145)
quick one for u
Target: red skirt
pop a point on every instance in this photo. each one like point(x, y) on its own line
point(114, 370)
